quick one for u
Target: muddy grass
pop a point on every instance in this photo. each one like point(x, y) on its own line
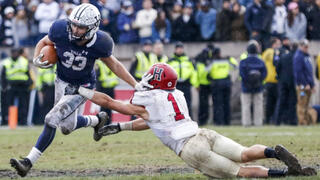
point(98, 172)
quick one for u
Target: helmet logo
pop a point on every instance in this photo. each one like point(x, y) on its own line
point(169, 84)
point(157, 73)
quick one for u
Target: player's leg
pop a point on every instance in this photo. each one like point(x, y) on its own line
point(260, 172)
point(45, 139)
point(207, 161)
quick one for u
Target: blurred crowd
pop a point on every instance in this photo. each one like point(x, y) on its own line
point(276, 84)
point(24, 22)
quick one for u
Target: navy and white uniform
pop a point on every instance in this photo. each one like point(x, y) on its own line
point(75, 66)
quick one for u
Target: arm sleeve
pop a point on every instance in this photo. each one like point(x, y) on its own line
point(247, 17)
point(142, 98)
point(297, 70)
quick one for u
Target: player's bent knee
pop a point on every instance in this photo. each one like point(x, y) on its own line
point(65, 130)
point(50, 120)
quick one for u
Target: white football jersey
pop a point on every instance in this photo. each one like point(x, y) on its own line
point(168, 116)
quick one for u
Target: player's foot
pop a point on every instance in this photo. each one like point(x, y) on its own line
point(308, 171)
point(294, 168)
point(22, 166)
point(103, 118)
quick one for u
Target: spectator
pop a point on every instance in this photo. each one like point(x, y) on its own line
point(164, 5)
point(185, 28)
point(176, 11)
point(7, 27)
point(217, 4)
point(161, 28)
point(252, 72)
point(126, 18)
point(314, 26)
point(287, 98)
point(46, 13)
point(224, 19)
point(114, 5)
point(238, 29)
point(203, 60)
point(258, 18)
point(106, 82)
point(219, 74)
point(278, 19)
point(107, 19)
point(66, 10)
point(296, 23)
point(158, 51)
point(303, 76)
point(16, 80)
point(187, 76)
point(245, 3)
point(20, 28)
point(271, 57)
point(144, 59)
point(144, 20)
point(206, 19)
point(32, 22)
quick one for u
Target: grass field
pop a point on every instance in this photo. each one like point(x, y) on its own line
point(140, 155)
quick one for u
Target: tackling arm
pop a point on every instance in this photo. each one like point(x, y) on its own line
point(106, 101)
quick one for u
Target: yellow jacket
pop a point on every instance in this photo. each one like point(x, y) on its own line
point(267, 57)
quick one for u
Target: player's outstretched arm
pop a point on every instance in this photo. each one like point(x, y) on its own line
point(135, 125)
point(118, 68)
point(106, 101)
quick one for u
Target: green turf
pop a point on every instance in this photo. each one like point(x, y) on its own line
point(142, 150)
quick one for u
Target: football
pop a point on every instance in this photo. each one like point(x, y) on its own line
point(50, 54)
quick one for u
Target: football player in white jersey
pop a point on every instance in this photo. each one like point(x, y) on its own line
point(163, 109)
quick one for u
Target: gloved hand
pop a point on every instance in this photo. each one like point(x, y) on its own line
point(144, 85)
point(71, 89)
point(109, 129)
point(41, 64)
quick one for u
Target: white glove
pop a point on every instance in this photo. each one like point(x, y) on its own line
point(41, 64)
point(144, 85)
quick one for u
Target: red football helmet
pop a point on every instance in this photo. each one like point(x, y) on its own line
point(164, 76)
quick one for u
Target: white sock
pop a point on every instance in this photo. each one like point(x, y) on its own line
point(92, 120)
point(34, 155)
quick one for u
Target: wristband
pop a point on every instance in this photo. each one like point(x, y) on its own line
point(87, 93)
point(126, 126)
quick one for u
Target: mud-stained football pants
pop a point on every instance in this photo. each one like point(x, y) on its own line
point(213, 154)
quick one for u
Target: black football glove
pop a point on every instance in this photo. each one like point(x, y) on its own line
point(109, 129)
point(71, 89)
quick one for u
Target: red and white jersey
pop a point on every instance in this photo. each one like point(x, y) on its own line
point(168, 116)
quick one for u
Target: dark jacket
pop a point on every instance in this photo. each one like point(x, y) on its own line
point(258, 18)
point(315, 23)
point(285, 68)
point(184, 31)
point(224, 22)
point(302, 69)
point(246, 66)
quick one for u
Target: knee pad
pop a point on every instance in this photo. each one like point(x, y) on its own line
point(51, 120)
point(65, 130)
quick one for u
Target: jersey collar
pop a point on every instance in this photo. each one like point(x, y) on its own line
point(93, 40)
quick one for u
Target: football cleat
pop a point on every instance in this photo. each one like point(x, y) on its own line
point(103, 118)
point(308, 171)
point(22, 166)
point(294, 168)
